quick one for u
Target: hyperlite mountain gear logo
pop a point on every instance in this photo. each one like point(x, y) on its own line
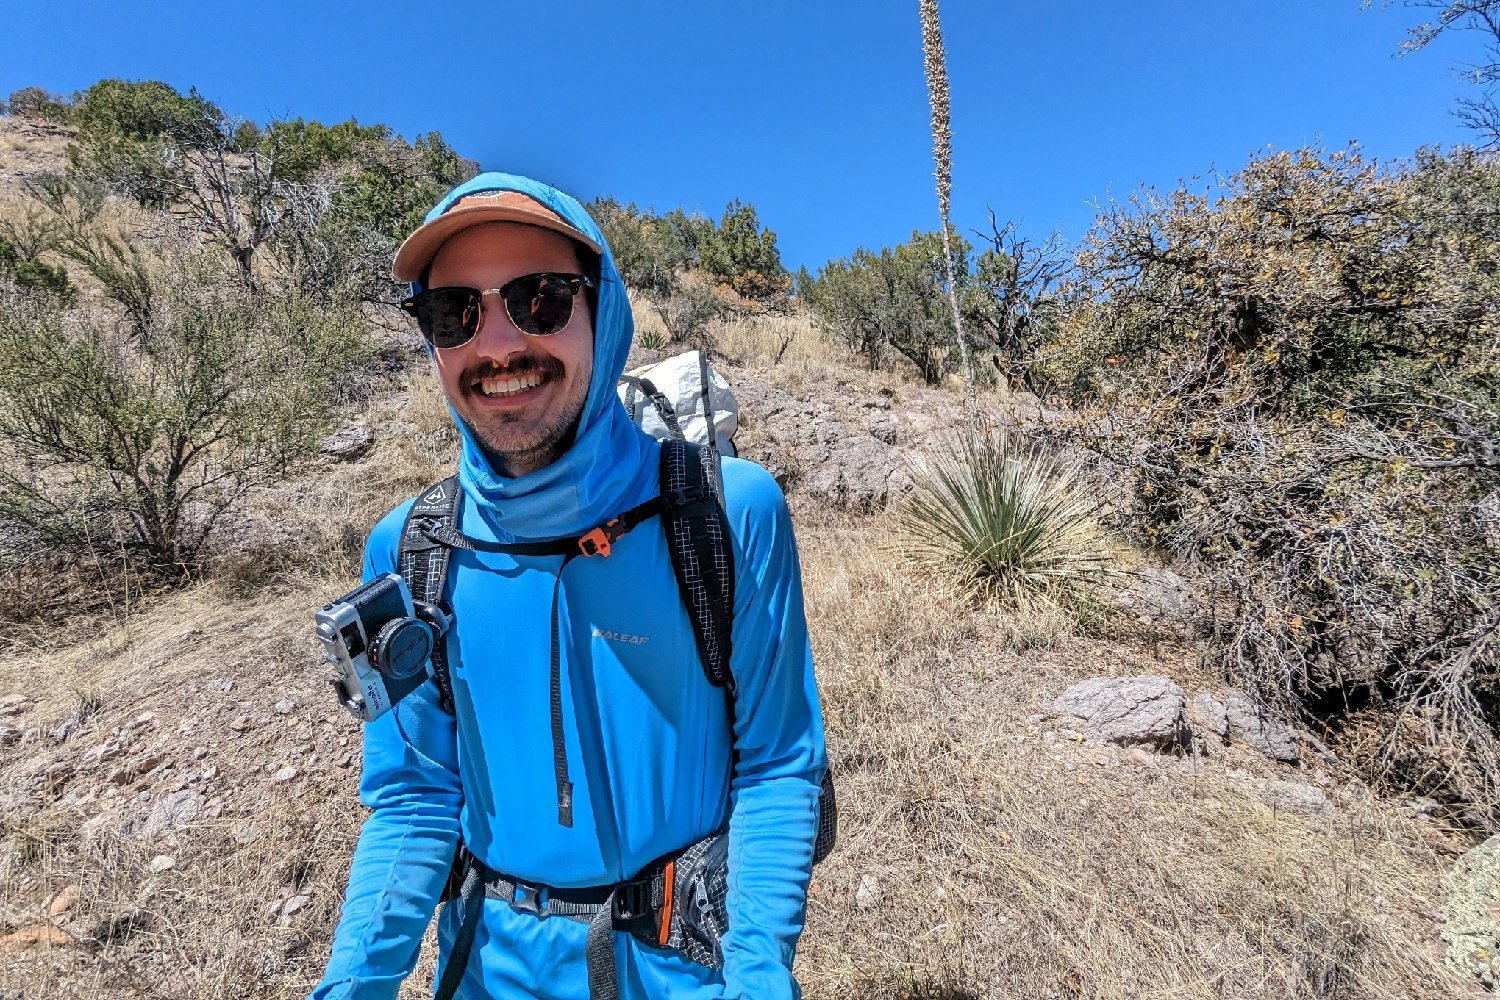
point(435, 495)
point(625, 637)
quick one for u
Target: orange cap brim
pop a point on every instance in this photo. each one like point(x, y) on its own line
point(417, 251)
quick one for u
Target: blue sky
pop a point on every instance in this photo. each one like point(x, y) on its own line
point(815, 112)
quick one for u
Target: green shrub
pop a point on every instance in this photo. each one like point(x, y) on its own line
point(145, 442)
point(1012, 519)
point(742, 254)
point(37, 103)
point(893, 301)
point(1299, 367)
point(29, 272)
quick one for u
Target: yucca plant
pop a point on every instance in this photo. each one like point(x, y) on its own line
point(1017, 522)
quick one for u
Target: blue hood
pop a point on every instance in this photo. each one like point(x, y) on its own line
point(585, 487)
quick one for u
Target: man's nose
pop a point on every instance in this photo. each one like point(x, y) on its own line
point(498, 337)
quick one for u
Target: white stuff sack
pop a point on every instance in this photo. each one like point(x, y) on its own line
point(680, 380)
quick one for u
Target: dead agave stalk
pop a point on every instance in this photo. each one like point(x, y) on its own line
point(942, 154)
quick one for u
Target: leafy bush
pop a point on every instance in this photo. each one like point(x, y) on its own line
point(652, 252)
point(1014, 520)
point(37, 103)
point(27, 271)
point(875, 304)
point(742, 254)
point(1300, 367)
point(149, 443)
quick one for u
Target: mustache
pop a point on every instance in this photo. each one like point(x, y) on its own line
point(524, 364)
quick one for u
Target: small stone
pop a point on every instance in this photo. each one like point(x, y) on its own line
point(9, 736)
point(1138, 756)
point(208, 773)
point(284, 707)
point(173, 812)
point(294, 904)
point(162, 863)
point(37, 936)
point(348, 442)
point(64, 729)
point(246, 834)
point(63, 901)
point(144, 719)
point(200, 752)
point(285, 774)
point(223, 685)
point(868, 893)
point(12, 704)
point(241, 724)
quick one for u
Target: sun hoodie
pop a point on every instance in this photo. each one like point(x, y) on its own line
point(648, 738)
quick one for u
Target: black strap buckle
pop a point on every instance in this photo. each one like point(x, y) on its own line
point(531, 899)
point(632, 901)
point(688, 495)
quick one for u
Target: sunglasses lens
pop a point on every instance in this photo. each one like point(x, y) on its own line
point(448, 316)
point(540, 304)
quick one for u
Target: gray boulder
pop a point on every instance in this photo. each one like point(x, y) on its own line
point(1157, 596)
point(1250, 724)
point(347, 443)
point(1208, 713)
point(1472, 901)
point(1127, 710)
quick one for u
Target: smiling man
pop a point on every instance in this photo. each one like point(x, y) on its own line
point(580, 760)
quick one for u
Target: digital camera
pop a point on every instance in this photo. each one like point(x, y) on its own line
point(379, 644)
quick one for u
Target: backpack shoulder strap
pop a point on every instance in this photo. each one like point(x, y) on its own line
point(423, 562)
point(702, 558)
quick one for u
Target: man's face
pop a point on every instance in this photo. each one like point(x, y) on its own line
point(519, 395)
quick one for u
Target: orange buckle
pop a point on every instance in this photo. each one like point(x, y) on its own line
point(597, 542)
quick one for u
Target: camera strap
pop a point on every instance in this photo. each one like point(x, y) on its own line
point(424, 564)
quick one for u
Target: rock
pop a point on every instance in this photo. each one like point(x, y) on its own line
point(850, 471)
point(295, 903)
point(875, 403)
point(246, 834)
point(1157, 596)
point(348, 442)
point(135, 768)
point(285, 774)
point(173, 812)
point(242, 724)
point(9, 735)
point(1295, 796)
point(35, 936)
point(867, 896)
point(143, 720)
point(1140, 757)
point(223, 685)
point(200, 752)
point(1206, 712)
point(12, 704)
point(162, 863)
point(285, 707)
point(1249, 724)
point(60, 732)
point(884, 427)
point(63, 901)
point(1127, 710)
point(1471, 913)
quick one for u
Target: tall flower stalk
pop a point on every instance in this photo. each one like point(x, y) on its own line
point(942, 155)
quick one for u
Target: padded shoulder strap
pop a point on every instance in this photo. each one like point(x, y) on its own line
point(698, 540)
point(424, 564)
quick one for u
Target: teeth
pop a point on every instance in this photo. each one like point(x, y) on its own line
point(500, 385)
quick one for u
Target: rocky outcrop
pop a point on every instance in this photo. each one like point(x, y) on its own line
point(1127, 710)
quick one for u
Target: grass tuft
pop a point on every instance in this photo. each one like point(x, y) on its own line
point(1016, 522)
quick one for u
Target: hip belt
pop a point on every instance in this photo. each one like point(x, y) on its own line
point(676, 902)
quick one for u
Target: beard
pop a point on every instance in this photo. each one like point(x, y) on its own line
point(515, 443)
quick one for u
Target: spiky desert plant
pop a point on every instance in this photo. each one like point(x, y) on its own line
point(942, 155)
point(1015, 521)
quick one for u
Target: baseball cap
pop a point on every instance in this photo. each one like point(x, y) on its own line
point(417, 251)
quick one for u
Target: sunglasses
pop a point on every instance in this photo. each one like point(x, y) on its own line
point(538, 304)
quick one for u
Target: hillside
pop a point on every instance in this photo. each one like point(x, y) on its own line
point(178, 788)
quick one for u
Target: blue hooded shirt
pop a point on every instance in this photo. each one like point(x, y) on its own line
point(647, 736)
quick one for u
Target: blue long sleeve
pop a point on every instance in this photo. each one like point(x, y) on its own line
point(779, 741)
point(411, 783)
